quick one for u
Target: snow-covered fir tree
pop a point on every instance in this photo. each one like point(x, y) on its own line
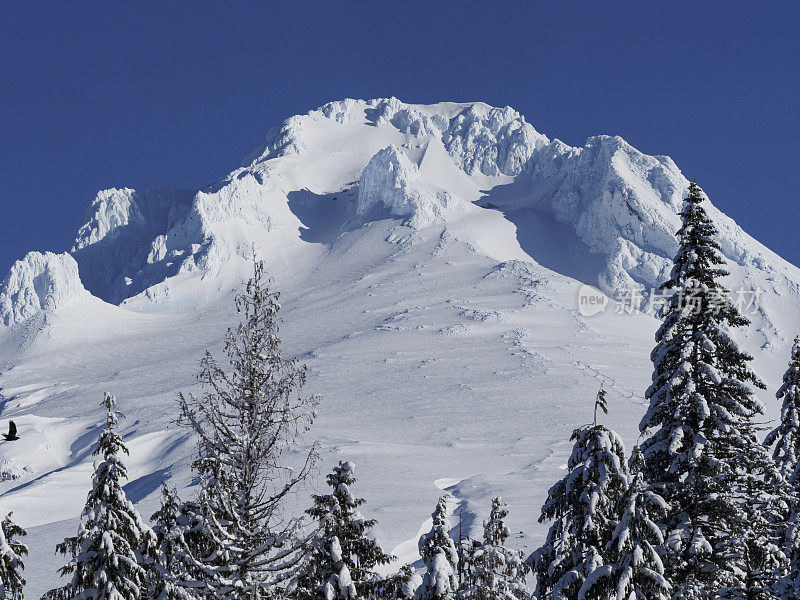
point(342, 560)
point(634, 570)
point(174, 570)
point(107, 555)
point(12, 550)
point(789, 586)
point(582, 508)
point(467, 569)
point(246, 421)
point(408, 582)
point(438, 552)
point(786, 441)
point(786, 436)
point(498, 572)
point(702, 454)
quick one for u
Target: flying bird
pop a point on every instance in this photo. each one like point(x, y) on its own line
point(12, 432)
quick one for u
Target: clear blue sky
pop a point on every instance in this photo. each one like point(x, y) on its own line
point(143, 94)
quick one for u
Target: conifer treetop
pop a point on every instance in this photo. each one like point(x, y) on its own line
point(601, 403)
point(438, 552)
point(108, 552)
point(699, 254)
point(495, 571)
point(343, 556)
point(701, 378)
point(634, 570)
point(495, 531)
point(582, 507)
point(110, 443)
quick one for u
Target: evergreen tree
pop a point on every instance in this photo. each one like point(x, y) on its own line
point(468, 569)
point(107, 554)
point(789, 587)
point(402, 585)
point(634, 570)
point(11, 565)
point(408, 582)
point(582, 507)
point(498, 572)
point(786, 436)
point(438, 552)
point(342, 558)
point(246, 421)
point(173, 571)
point(786, 441)
point(702, 454)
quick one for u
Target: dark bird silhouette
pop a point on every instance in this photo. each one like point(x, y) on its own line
point(12, 432)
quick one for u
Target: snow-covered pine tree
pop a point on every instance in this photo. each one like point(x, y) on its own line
point(498, 572)
point(786, 453)
point(786, 436)
point(106, 556)
point(408, 582)
point(789, 586)
point(402, 585)
point(634, 570)
point(11, 566)
point(438, 552)
point(342, 557)
point(246, 421)
point(173, 571)
point(702, 454)
point(467, 569)
point(582, 507)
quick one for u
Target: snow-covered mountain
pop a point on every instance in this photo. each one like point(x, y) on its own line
point(430, 259)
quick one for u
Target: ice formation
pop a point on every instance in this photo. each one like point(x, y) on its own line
point(40, 281)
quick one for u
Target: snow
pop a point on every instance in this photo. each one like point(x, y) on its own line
point(128, 239)
point(40, 281)
point(390, 179)
point(481, 138)
point(443, 335)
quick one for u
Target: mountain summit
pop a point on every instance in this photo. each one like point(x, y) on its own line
point(610, 210)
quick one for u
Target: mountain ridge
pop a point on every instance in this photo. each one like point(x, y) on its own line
point(619, 203)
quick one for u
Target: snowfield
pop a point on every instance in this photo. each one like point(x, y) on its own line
point(429, 259)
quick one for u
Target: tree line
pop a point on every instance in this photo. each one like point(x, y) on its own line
point(700, 509)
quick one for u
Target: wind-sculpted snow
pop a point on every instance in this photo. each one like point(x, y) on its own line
point(624, 204)
point(40, 281)
point(620, 203)
point(391, 179)
point(480, 138)
point(133, 240)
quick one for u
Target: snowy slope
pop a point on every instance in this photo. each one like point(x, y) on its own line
point(430, 259)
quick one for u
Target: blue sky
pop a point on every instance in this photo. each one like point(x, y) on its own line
point(144, 94)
